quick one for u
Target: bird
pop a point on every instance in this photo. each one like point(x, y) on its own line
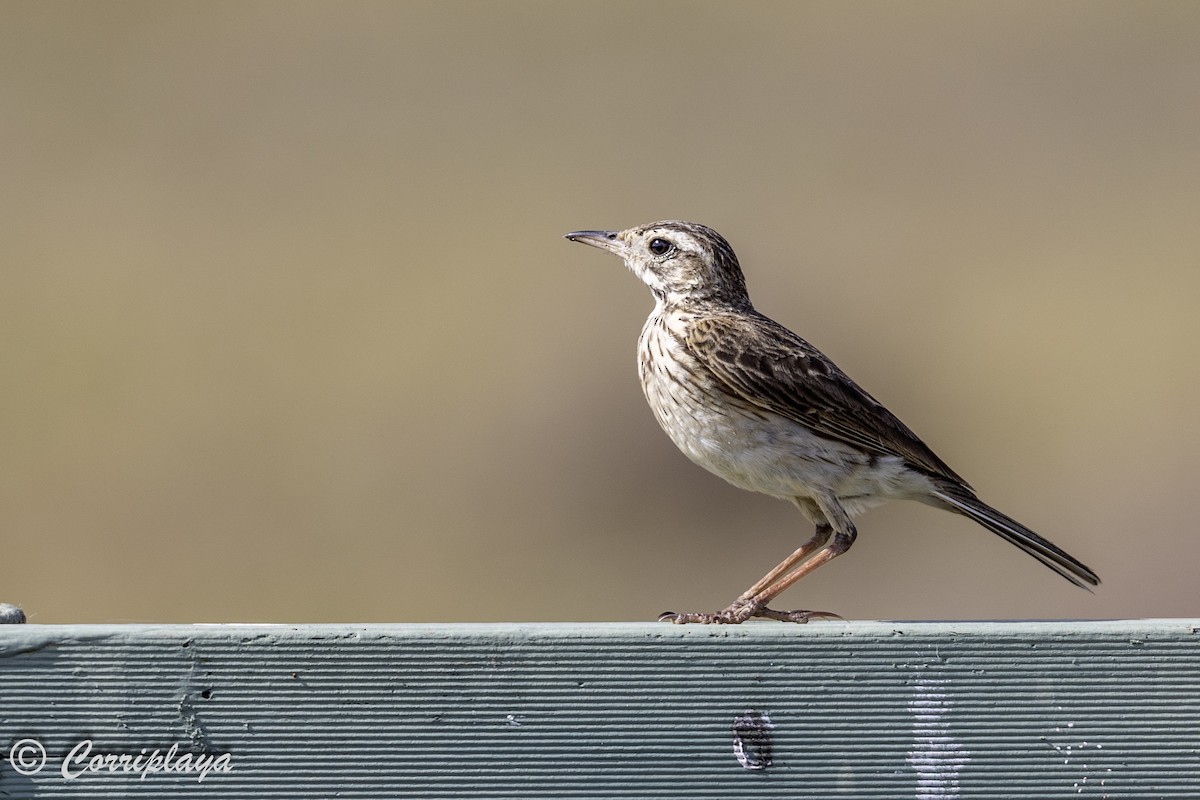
point(752, 402)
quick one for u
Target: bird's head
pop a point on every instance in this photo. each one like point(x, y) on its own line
point(681, 262)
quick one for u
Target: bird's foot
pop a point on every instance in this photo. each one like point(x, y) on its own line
point(799, 617)
point(740, 612)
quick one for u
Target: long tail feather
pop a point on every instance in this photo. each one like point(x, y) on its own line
point(1012, 531)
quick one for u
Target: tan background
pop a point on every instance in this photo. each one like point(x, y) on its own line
point(288, 331)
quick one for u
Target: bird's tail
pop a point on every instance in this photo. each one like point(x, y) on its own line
point(1012, 531)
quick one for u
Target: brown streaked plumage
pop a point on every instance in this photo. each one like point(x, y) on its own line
point(752, 402)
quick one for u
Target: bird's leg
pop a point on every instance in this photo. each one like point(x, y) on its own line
point(751, 603)
point(819, 538)
point(818, 550)
point(841, 543)
point(844, 534)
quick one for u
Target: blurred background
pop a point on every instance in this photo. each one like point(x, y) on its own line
point(288, 331)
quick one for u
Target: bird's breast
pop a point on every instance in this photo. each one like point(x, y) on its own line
point(720, 432)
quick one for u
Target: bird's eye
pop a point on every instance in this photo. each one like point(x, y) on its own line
point(660, 247)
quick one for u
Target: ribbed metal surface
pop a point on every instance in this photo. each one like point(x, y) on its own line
point(847, 710)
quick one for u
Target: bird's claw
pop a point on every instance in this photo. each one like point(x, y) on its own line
point(799, 617)
point(740, 612)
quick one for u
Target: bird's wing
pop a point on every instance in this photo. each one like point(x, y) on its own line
point(762, 362)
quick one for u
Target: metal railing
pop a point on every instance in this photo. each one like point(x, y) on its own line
point(1100, 709)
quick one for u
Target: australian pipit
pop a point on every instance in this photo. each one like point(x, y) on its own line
point(752, 402)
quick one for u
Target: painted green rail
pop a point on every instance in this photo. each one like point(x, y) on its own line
point(1105, 709)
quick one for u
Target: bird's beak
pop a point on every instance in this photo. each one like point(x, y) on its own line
point(605, 240)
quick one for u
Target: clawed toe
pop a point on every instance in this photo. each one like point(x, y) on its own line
point(683, 619)
point(739, 613)
point(799, 617)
